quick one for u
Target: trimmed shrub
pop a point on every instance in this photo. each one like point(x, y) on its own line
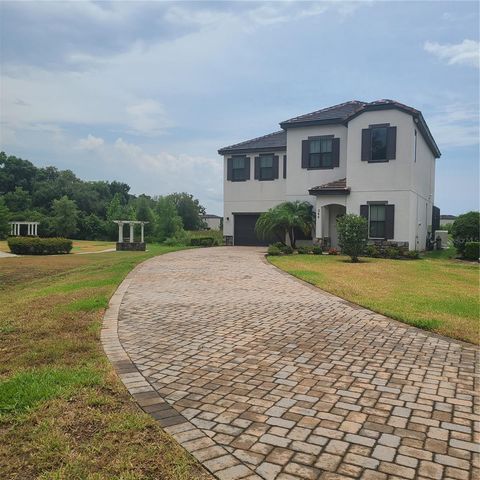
point(287, 250)
point(304, 250)
point(317, 250)
point(372, 251)
point(202, 242)
point(392, 252)
point(466, 229)
point(39, 246)
point(274, 250)
point(472, 250)
point(411, 255)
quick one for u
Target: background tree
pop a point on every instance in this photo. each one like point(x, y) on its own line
point(18, 200)
point(65, 217)
point(4, 218)
point(145, 214)
point(284, 220)
point(352, 235)
point(169, 223)
point(466, 228)
point(189, 209)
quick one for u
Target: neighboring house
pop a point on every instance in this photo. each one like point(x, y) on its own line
point(213, 222)
point(447, 219)
point(373, 159)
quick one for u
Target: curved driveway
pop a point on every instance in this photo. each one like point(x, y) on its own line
point(261, 376)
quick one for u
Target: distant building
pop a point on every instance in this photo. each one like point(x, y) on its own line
point(447, 219)
point(213, 222)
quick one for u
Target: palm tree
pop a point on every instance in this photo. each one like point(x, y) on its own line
point(284, 219)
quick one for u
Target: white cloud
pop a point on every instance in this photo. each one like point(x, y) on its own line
point(465, 53)
point(90, 143)
point(455, 125)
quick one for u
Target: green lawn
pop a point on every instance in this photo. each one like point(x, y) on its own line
point(436, 293)
point(63, 412)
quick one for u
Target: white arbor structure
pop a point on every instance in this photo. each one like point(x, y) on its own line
point(16, 227)
point(131, 224)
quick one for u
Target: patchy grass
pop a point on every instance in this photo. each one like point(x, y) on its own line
point(434, 293)
point(63, 412)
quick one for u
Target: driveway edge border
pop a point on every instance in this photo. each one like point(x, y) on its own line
point(217, 460)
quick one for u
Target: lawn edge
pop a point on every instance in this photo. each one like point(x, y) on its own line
point(357, 306)
point(142, 392)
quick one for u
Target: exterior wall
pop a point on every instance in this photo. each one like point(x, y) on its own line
point(212, 223)
point(252, 196)
point(300, 180)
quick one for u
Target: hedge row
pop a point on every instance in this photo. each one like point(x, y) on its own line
point(203, 242)
point(39, 246)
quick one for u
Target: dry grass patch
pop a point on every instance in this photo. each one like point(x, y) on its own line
point(435, 293)
point(63, 412)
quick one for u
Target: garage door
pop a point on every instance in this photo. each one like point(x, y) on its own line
point(244, 230)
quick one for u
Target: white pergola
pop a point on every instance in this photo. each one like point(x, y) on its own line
point(132, 224)
point(32, 228)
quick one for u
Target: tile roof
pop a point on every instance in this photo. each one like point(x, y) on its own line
point(272, 141)
point(337, 114)
point(337, 186)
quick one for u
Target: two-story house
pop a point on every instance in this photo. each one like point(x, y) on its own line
point(373, 159)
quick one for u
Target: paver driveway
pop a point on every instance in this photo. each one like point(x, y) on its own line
point(270, 378)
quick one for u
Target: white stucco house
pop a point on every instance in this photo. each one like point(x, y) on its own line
point(375, 159)
point(213, 222)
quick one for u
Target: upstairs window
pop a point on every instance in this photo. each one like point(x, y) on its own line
point(379, 144)
point(238, 168)
point(266, 167)
point(321, 152)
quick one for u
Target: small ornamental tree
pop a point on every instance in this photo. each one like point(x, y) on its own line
point(352, 235)
point(466, 228)
point(4, 217)
point(64, 216)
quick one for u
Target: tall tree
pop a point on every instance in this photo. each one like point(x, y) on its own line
point(189, 209)
point(65, 217)
point(18, 200)
point(144, 214)
point(4, 218)
point(169, 223)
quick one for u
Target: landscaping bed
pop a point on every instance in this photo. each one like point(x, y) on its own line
point(435, 293)
point(64, 414)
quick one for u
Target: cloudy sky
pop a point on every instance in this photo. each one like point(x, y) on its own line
point(147, 92)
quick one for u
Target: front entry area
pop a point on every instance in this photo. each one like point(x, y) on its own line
point(327, 218)
point(244, 231)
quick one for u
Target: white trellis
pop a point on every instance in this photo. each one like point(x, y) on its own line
point(131, 224)
point(32, 228)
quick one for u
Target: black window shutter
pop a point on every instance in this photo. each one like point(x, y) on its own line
point(389, 221)
point(336, 152)
point(305, 153)
point(257, 168)
point(366, 145)
point(247, 168)
point(275, 166)
point(229, 168)
point(284, 166)
point(364, 211)
point(391, 143)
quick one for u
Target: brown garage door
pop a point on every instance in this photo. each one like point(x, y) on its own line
point(244, 230)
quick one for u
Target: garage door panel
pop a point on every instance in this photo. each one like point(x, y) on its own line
point(244, 231)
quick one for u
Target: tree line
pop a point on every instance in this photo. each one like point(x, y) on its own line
point(67, 206)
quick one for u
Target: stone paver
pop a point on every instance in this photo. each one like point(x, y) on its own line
point(261, 376)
